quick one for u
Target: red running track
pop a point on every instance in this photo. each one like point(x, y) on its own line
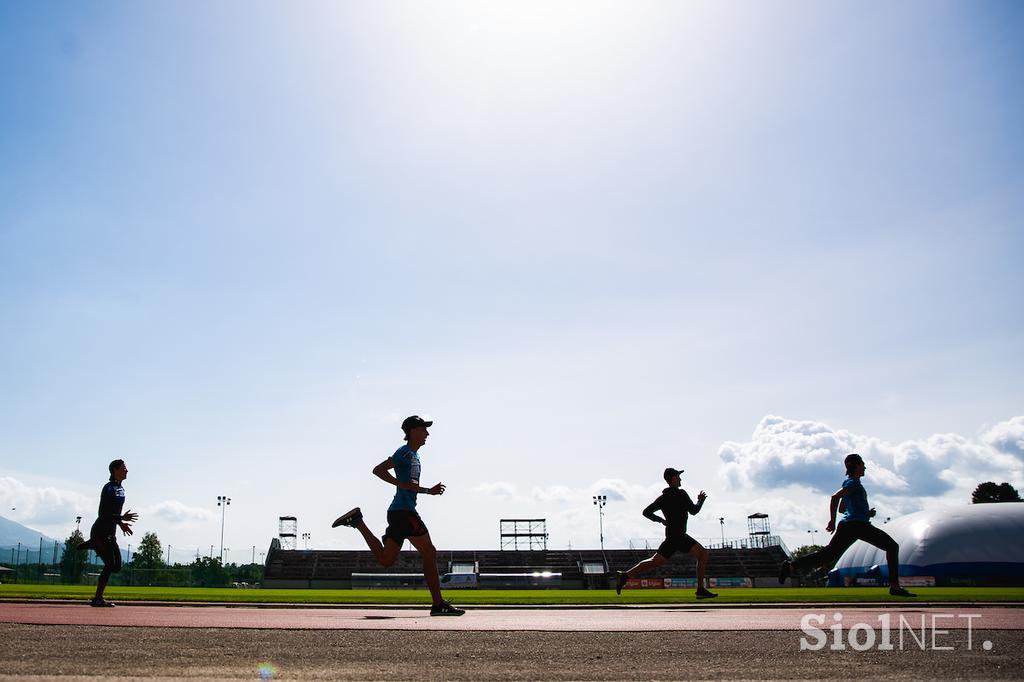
point(482, 619)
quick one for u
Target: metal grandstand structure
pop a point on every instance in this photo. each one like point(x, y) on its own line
point(287, 531)
point(760, 531)
point(528, 534)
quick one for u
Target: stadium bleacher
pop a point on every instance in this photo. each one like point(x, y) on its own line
point(334, 568)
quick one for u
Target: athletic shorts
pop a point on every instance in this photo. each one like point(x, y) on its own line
point(677, 542)
point(404, 524)
point(106, 549)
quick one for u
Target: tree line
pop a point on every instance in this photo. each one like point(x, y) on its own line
point(147, 566)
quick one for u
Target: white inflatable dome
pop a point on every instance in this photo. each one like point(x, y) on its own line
point(976, 540)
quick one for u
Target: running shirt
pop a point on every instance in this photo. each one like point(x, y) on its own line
point(407, 470)
point(675, 504)
point(856, 501)
point(111, 504)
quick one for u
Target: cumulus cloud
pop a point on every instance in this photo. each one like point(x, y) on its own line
point(496, 489)
point(1007, 437)
point(43, 505)
point(615, 489)
point(177, 512)
point(784, 452)
point(553, 493)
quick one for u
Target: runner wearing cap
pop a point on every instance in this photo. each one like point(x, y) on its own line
point(675, 504)
point(403, 521)
point(855, 525)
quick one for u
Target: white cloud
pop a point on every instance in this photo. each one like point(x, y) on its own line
point(554, 493)
point(44, 505)
point(783, 452)
point(498, 489)
point(1007, 437)
point(177, 512)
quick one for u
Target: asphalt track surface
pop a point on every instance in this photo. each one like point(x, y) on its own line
point(49, 641)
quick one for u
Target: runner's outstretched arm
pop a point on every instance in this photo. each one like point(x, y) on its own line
point(695, 508)
point(382, 471)
point(651, 508)
point(833, 506)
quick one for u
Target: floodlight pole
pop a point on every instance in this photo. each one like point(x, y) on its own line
point(222, 502)
point(600, 501)
point(305, 537)
point(721, 522)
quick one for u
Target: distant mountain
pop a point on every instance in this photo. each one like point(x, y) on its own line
point(12, 532)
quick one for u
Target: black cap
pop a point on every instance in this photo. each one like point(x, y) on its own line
point(414, 421)
point(670, 472)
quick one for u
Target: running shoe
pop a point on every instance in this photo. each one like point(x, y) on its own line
point(445, 609)
point(705, 594)
point(785, 571)
point(349, 518)
point(620, 581)
point(900, 592)
point(101, 603)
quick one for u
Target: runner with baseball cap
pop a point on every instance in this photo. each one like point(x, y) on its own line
point(674, 504)
point(855, 525)
point(403, 520)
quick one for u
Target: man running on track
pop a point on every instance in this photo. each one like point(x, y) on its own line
point(855, 525)
point(675, 504)
point(403, 521)
point(103, 534)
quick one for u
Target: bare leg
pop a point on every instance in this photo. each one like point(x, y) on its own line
point(647, 565)
point(429, 555)
point(101, 583)
point(385, 554)
point(701, 555)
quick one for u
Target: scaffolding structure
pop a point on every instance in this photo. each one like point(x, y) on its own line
point(287, 531)
point(760, 531)
point(528, 534)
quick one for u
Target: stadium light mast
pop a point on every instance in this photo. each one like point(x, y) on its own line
point(305, 537)
point(222, 502)
point(600, 501)
point(721, 522)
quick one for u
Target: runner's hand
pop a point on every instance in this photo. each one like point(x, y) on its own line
point(701, 496)
point(129, 516)
point(125, 528)
point(437, 489)
point(831, 526)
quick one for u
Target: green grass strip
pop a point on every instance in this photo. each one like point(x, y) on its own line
point(808, 595)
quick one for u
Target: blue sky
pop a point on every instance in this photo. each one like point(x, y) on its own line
point(240, 241)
